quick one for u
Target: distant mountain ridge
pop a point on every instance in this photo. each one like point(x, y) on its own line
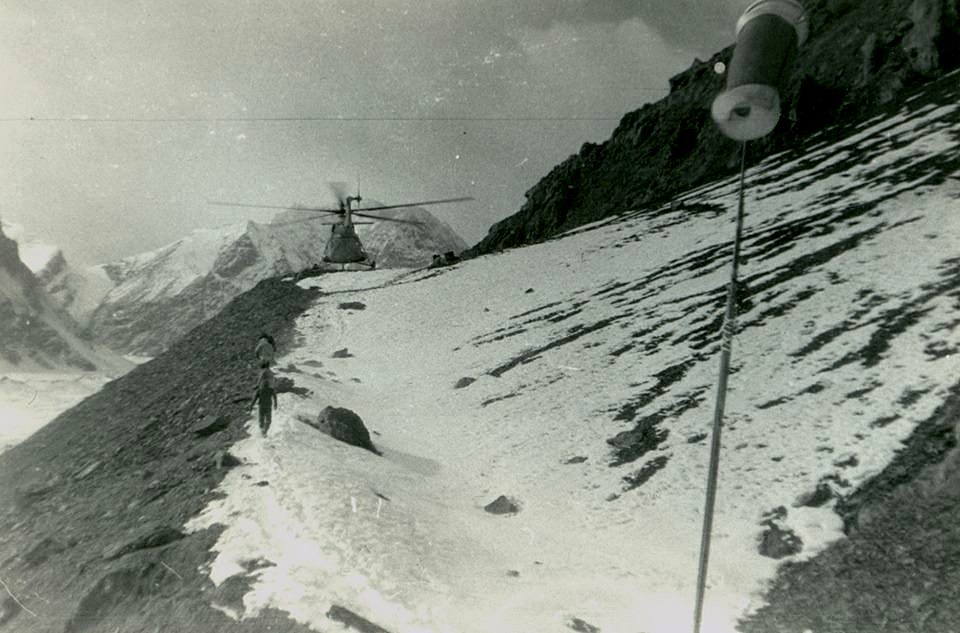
point(35, 334)
point(143, 303)
point(861, 56)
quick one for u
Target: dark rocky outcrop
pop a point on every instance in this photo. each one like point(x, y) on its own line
point(353, 621)
point(106, 564)
point(777, 542)
point(894, 571)
point(10, 263)
point(817, 497)
point(861, 56)
point(345, 425)
point(34, 332)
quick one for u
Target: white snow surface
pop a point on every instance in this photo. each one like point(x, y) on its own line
point(28, 401)
point(849, 341)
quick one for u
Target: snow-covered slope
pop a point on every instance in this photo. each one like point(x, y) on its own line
point(142, 303)
point(30, 400)
point(578, 378)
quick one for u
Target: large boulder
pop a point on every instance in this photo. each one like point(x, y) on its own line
point(343, 424)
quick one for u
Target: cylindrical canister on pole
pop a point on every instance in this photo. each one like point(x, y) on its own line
point(768, 35)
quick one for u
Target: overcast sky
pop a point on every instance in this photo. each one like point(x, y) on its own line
point(418, 99)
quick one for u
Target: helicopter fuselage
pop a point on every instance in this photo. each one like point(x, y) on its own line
point(343, 246)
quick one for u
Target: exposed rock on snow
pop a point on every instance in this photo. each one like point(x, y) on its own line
point(344, 425)
point(502, 505)
point(225, 459)
point(466, 381)
point(582, 626)
point(353, 621)
point(777, 542)
point(815, 498)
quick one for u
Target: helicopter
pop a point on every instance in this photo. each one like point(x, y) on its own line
point(344, 248)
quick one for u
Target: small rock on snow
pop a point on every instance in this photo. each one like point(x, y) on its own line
point(502, 505)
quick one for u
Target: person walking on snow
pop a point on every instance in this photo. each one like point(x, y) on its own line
point(266, 395)
point(265, 349)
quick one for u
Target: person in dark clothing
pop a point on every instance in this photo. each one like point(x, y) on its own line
point(266, 395)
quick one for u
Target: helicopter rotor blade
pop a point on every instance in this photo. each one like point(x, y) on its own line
point(386, 219)
point(272, 206)
point(416, 204)
point(301, 221)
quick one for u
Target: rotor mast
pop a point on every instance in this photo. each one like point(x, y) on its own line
point(348, 210)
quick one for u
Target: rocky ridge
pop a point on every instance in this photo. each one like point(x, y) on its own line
point(122, 471)
point(862, 55)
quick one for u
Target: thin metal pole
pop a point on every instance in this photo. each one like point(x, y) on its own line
point(729, 328)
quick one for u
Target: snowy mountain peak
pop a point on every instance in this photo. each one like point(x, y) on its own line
point(35, 254)
point(142, 303)
point(35, 334)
